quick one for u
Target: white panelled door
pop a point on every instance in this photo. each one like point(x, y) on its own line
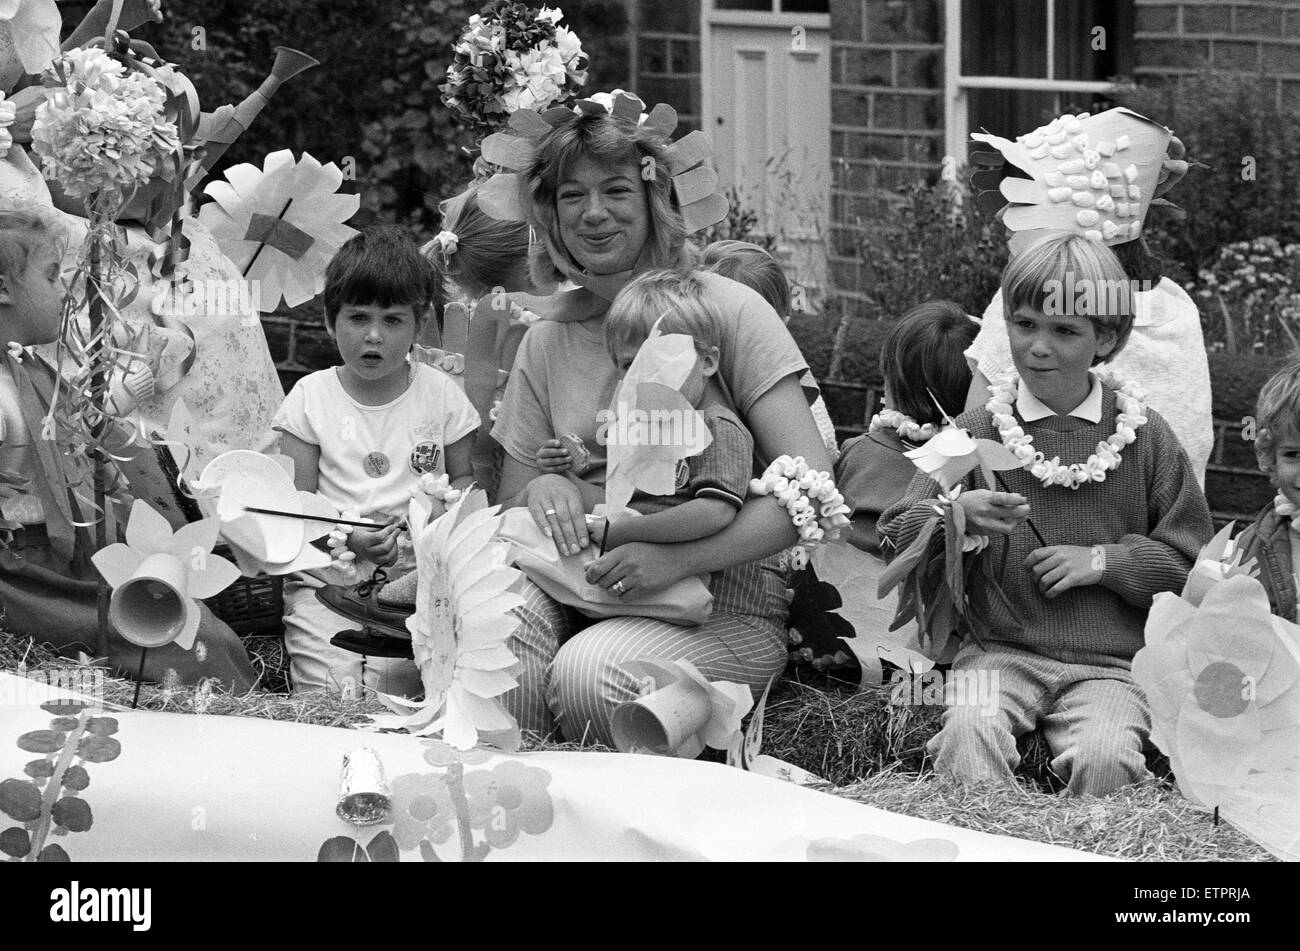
point(767, 110)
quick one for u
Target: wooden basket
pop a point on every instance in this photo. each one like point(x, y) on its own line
point(250, 605)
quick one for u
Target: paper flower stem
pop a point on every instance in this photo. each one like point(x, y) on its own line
point(253, 260)
point(373, 526)
point(139, 676)
point(98, 387)
point(1028, 521)
point(54, 785)
point(469, 852)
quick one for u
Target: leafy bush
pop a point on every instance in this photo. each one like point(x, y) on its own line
point(1237, 126)
point(1250, 297)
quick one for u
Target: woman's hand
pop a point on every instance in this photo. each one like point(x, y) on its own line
point(556, 506)
point(552, 457)
point(635, 570)
point(993, 513)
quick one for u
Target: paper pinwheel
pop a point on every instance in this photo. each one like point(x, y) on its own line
point(1223, 681)
point(156, 577)
point(274, 544)
point(33, 28)
point(459, 632)
point(679, 712)
point(654, 427)
point(281, 224)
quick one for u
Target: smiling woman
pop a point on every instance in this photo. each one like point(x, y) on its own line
point(606, 196)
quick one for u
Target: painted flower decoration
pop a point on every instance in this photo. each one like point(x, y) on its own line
point(168, 566)
point(1223, 681)
point(102, 127)
point(281, 223)
point(422, 810)
point(509, 799)
point(33, 28)
point(461, 626)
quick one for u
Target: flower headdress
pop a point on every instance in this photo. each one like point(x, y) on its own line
point(690, 167)
point(1096, 176)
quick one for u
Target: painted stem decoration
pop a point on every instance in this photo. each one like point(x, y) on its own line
point(253, 260)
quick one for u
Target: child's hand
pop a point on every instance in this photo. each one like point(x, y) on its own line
point(1059, 568)
point(378, 546)
point(553, 458)
point(596, 529)
point(993, 513)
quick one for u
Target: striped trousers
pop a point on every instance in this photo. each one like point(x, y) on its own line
point(569, 673)
point(1094, 718)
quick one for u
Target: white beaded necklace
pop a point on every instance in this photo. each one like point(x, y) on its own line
point(1129, 399)
point(905, 426)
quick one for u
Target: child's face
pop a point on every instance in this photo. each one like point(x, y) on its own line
point(1287, 461)
point(374, 340)
point(706, 364)
point(32, 302)
point(1053, 354)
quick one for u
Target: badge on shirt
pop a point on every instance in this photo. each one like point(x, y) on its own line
point(376, 465)
point(425, 457)
point(683, 474)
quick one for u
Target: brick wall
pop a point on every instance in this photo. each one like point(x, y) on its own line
point(1250, 36)
point(886, 115)
point(667, 61)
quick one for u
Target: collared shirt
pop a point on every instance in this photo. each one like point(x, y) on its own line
point(1032, 409)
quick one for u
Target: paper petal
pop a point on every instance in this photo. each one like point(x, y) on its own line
point(146, 530)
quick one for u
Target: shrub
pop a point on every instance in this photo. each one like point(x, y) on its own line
point(1250, 297)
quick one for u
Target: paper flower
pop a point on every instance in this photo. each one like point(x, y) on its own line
point(102, 127)
point(460, 629)
point(949, 455)
point(653, 426)
point(33, 26)
point(157, 577)
point(1213, 565)
point(8, 113)
point(281, 223)
point(272, 544)
point(679, 711)
point(1223, 682)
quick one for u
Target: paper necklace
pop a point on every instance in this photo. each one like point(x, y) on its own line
point(1129, 398)
point(905, 426)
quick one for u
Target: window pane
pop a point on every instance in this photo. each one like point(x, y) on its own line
point(806, 6)
point(1008, 38)
point(743, 5)
point(1094, 39)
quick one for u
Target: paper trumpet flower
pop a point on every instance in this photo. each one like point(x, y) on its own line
point(679, 712)
point(274, 544)
point(158, 576)
point(1223, 682)
point(459, 632)
point(653, 426)
point(281, 223)
point(949, 455)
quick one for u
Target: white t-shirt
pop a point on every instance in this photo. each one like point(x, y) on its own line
point(1165, 355)
point(371, 456)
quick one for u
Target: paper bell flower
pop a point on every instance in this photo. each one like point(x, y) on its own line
point(679, 711)
point(653, 426)
point(1213, 565)
point(950, 454)
point(281, 223)
point(1223, 682)
point(158, 576)
point(270, 544)
point(33, 27)
point(460, 629)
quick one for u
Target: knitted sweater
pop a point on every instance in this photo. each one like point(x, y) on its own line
point(1148, 517)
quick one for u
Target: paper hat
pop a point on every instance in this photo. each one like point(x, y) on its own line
point(274, 544)
point(1094, 176)
point(679, 712)
point(157, 576)
point(690, 158)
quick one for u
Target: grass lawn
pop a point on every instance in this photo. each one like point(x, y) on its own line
point(866, 748)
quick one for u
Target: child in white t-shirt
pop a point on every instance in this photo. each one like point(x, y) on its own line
point(362, 435)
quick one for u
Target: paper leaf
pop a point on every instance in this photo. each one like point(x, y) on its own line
point(499, 198)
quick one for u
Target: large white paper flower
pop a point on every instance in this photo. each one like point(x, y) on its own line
point(460, 628)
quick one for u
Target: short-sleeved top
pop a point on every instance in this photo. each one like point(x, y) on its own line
point(563, 374)
point(721, 471)
point(1165, 355)
point(370, 456)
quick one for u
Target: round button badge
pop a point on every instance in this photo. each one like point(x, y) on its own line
point(376, 465)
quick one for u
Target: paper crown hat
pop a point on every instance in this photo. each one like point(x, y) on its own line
point(694, 181)
point(1094, 176)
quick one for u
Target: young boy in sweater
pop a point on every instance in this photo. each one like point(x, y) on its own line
point(1113, 497)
